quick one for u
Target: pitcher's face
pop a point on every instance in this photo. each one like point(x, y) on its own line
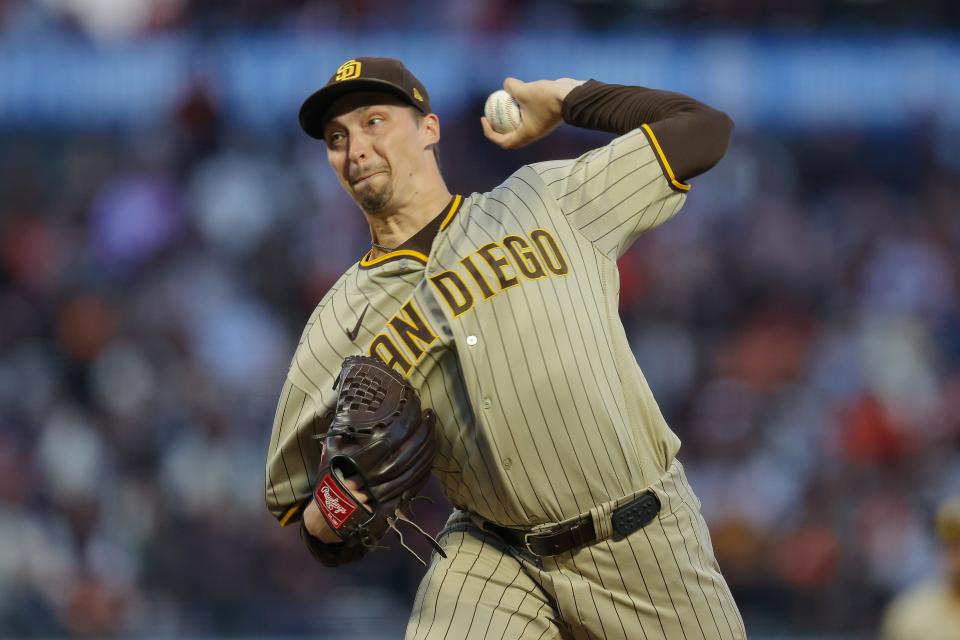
point(375, 145)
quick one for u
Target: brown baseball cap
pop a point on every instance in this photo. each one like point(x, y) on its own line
point(363, 74)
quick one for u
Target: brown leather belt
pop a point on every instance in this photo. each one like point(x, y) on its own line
point(626, 519)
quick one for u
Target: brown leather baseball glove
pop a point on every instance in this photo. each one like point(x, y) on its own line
point(379, 437)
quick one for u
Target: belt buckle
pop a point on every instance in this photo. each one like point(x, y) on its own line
point(526, 544)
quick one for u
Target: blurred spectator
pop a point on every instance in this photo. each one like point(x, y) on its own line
point(117, 19)
point(932, 610)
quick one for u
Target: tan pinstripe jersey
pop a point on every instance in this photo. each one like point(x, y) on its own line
point(509, 329)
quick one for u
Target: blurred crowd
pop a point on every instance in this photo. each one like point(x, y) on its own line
point(112, 19)
point(799, 323)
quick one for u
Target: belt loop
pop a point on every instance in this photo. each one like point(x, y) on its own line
point(602, 520)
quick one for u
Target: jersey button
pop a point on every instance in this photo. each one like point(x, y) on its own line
point(507, 463)
point(486, 403)
point(471, 340)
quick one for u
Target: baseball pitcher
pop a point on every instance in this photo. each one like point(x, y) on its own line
point(573, 517)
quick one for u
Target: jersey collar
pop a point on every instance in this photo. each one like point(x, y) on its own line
point(418, 245)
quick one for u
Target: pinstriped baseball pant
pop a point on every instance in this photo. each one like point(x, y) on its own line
point(661, 582)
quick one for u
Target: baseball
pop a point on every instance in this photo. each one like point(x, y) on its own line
point(503, 111)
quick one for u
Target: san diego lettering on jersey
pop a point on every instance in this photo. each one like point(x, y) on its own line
point(535, 257)
point(507, 262)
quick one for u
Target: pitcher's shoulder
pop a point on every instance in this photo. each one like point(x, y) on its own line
point(522, 194)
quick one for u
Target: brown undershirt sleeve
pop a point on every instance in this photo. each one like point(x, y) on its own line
point(692, 135)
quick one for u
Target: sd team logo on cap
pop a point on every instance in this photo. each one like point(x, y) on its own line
point(348, 70)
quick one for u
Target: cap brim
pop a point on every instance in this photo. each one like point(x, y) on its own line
point(314, 107)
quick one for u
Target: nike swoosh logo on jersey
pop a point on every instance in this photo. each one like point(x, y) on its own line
point(356, 330)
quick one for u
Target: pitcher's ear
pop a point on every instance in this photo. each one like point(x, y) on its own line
point(431, 126)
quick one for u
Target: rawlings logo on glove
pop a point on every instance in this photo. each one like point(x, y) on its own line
point(379, 437)
point(334, 504)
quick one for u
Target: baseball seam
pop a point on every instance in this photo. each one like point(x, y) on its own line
point(504, 114)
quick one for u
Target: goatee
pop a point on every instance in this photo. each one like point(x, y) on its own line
point(375, 200)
